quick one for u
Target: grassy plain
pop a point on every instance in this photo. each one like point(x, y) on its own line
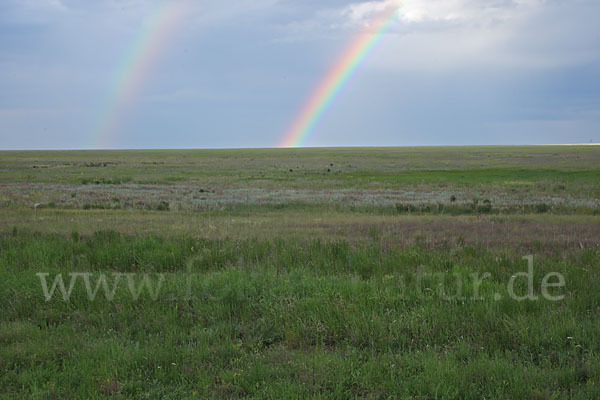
point(313, 273)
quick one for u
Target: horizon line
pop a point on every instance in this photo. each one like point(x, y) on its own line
point(304, 147)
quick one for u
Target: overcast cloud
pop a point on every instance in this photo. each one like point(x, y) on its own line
point(235, 73)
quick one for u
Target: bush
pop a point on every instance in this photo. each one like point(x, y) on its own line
point(163, 206)
point(99, 206)
point(403, 208)
point(486, 208)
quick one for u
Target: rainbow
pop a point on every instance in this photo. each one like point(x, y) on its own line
point(135, 68)
point(335, 80)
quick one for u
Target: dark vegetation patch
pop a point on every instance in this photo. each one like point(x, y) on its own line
point(106, 181)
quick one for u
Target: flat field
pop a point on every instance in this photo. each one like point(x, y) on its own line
point(301, 273)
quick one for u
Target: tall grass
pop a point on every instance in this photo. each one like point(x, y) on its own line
point(285, 318)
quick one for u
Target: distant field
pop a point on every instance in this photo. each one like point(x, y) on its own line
point(340, 168)
point(301, 273)
point(566, 178)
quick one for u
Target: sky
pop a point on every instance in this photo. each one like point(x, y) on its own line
point(80, 74)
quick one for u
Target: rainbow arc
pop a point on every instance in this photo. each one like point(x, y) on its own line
point(135, 68)
point(336, 79)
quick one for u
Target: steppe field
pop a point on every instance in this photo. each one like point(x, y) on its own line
point(377, 273)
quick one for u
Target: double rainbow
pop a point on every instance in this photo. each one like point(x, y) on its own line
point(135, 68)
point(335, 80)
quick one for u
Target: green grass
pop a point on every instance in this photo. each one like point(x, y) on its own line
point(359, 167)
point(318, 273)
point(562, 179)
point(286, 319)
